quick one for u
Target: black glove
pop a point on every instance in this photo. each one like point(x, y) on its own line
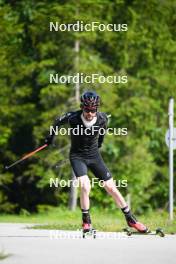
point(49, 140)
point(99, 145)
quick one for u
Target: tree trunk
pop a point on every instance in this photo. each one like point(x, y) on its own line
point(73, 189)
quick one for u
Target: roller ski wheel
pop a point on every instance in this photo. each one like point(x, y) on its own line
point(159, 231)
point(127, 231)
point(87, 230)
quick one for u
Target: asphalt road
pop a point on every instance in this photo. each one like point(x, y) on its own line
point(30, 246)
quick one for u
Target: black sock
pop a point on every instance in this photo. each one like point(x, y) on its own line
point(125, 210)
point(128, 215)
point(86, 216)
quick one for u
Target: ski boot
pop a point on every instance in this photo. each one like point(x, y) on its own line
point(132, 222)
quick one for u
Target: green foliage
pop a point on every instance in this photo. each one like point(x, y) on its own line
point(29, 104)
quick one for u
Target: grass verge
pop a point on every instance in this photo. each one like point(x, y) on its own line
point(103, 220)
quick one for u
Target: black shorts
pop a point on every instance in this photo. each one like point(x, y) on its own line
point(96, 165)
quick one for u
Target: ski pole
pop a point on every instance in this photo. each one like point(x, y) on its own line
point(26, 156)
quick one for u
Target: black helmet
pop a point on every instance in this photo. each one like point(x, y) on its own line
point(90, 100)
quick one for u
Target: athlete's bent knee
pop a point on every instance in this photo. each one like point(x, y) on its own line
point(110, 186)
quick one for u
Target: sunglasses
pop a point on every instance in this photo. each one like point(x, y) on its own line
point(90, 110)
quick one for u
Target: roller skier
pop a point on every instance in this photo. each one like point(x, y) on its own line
point(85, 154)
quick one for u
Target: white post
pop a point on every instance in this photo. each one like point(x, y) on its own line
point(77, 86)
point(128, 198)
point(171, 158)
point(73, 189)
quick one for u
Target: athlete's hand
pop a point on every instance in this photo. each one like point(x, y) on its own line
point(99, 145)
point(49, 140)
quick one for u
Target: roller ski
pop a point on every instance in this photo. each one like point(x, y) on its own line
point(135, 227)
point(158, 231)
point(87, 230)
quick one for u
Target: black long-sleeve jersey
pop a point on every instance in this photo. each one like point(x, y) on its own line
point(86, 143)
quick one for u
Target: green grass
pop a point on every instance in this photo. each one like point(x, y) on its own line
point(104, 220)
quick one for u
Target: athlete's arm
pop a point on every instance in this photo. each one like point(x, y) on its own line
point(104, 125)
point(58, 122)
